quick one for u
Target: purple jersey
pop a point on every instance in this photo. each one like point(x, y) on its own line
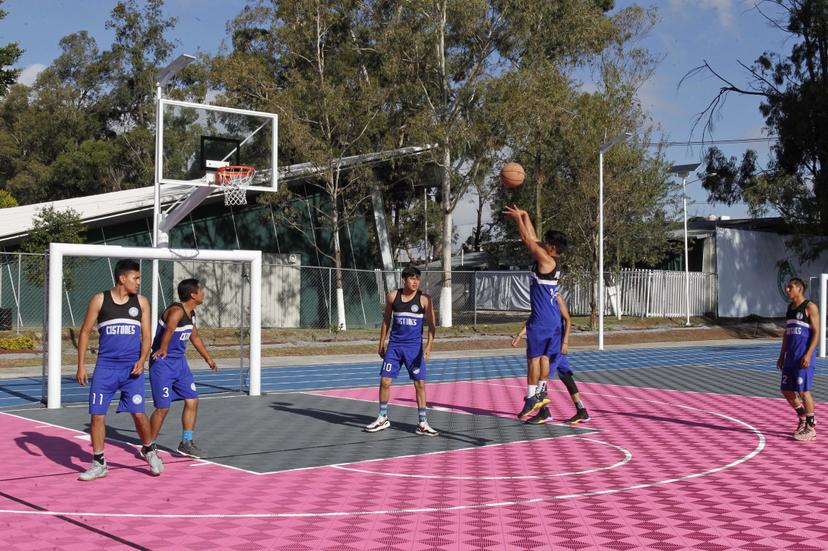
point(543, 290)
point(178, 343)
point(797, 335)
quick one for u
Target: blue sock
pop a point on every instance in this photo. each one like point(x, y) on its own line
point(383, 412)
point(188, 436)
point(421, 413)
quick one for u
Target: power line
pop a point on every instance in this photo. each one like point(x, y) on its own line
point(714, 142)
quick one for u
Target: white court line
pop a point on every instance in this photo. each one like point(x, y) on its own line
point(627, 458)
point(705, 393)
point(759, 447)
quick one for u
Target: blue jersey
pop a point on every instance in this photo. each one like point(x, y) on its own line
point(119, 326)
point(406, 320)
point(181, 336)
point(543, 291)
point(797, 334)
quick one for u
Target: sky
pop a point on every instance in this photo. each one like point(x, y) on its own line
point(688, 32)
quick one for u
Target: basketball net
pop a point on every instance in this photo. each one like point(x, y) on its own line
point(235, 180)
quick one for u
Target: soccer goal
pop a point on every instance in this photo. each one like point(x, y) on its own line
point(59, 253)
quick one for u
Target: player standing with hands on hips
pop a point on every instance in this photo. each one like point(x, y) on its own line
point(405, 311)
point(797, 357)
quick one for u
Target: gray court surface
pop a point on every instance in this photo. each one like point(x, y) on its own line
point(294, 431)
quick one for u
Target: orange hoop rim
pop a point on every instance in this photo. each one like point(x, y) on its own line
point(226, 174)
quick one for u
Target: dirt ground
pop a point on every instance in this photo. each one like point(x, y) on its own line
point(224, 343)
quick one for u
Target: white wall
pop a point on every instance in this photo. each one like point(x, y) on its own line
point(752, 272)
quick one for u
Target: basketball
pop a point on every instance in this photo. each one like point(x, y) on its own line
point(512, 175)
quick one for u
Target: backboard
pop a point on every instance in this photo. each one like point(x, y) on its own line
point(197, 139)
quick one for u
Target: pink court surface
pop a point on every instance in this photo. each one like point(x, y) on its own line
point(660, 469)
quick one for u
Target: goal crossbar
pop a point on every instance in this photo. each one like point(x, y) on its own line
point(57, 252)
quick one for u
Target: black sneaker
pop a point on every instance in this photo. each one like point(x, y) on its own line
point(542, 417)
point(188, 448)
point(530, 404)
point(581, 416)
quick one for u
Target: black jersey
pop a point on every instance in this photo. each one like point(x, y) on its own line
point(407, 320)
point(119, 326)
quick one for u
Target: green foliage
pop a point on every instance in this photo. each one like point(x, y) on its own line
point(22, 342)
point(51, 225)
point(794, 96)
point(9, 54)
point(7, 199)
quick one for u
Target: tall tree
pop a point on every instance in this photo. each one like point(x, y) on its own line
point(453, 50)
point(307, 60)
point(794, 92)
point(9, 54)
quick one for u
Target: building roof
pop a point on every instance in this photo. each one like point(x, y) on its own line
point(120, 206)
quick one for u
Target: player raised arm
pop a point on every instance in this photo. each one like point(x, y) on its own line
point(567, 324)
point(146, 337)
point(174, 317)
point(92, 312)
point(813, 316)
point(195, 338)
point(386, 322)
point(432, 325)
point(546, 263)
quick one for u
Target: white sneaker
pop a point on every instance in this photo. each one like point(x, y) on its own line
point(154, 460)
point(381, 423)
point(97, 470)
point(423, 429)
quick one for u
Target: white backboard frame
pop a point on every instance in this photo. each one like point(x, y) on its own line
point(272, 178)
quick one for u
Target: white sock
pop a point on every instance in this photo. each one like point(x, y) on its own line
point(542, 386)
point(531, 390)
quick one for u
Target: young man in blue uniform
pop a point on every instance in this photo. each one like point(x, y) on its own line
point(405, 311)
point(564, 370)
point(121, 316)
point(543, 329)
point(797, 357)
point(170, 375)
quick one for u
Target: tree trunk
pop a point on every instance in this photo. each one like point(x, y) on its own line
point(593, 301)
point(445, 291)
point(340, 294)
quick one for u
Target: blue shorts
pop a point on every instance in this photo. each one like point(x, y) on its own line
point(543, 341)
point(171, 380)
point(562, 365)
point(796, 379)
point(411, 356)
point(111, 376)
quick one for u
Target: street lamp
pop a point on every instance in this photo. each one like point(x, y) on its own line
point(163, 77)
point(682, 171)
point(603, 149)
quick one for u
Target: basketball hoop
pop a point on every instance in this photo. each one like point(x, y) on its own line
point(235, 180)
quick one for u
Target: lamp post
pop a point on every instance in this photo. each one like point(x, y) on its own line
point(682, 171)
point(163, 77)
point(603, 149)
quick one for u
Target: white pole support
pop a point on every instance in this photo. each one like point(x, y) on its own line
point(55, 317)
point(823, 312)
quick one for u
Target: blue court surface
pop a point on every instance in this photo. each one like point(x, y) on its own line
point(759, 357)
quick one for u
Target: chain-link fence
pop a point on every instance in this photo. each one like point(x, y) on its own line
point(305, 296)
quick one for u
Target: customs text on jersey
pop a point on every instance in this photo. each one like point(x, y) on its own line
point(181, 336)
point(407, 319)
point(119, 326)
point(543, 291)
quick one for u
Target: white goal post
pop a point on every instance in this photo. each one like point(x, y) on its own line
point(823, 312)
point(57, 251)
